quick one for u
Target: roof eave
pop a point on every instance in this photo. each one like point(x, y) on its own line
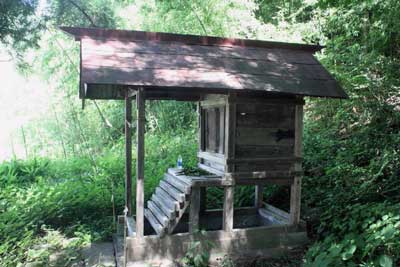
point(80, 33)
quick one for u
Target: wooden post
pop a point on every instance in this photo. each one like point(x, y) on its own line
point(227, 220)
point(128, 154)
point(230, 134)
point(203, 199)
point(140, 105)
point(200, 127)
point(295, 192)
point(258, 196)
point(194, 210)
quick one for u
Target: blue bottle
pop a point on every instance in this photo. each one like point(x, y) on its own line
point(179, 163)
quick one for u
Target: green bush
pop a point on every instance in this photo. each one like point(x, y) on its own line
point(75, 195)
point(368, 236)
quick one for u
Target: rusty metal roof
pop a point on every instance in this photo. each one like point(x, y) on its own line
point(111, 60)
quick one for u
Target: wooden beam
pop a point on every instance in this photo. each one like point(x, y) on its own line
point(230, 131)
point(128, 154)
point(263, 174)
point(200, 127)
point(194, 210)
point(230, 134)
point(210, 103)
point(227, 222)
point(210, 169)
point(258, 196)
point(261, 160)
point(140, 105)
point(264, 181)
point(295, 191)
point(215, 157)
point(203, 199)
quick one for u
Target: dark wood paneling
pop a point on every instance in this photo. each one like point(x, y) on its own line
point(263, 107)
point(254, 166)
point(265, 116)
point(262, 136)
point(245, 151)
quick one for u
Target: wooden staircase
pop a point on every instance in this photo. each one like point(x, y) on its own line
point(168, 203)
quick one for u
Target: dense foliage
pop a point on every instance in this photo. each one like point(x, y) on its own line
point(19, 27)
point(72, 180)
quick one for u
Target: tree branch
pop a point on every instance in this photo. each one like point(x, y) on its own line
point(83, 12)
point(198, 18)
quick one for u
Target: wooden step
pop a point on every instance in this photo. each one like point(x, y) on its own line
point(161, 217)
point(170, 201)
point(181, 186)
point(170, 212)
point(172, 191)
point(183, 178)
point(186, 180)
point(160, 230)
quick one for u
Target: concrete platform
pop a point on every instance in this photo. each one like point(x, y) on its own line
point(257, 233)
point(99, 254)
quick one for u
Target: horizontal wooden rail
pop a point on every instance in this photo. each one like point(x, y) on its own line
point(263, 174)
point(218, 158)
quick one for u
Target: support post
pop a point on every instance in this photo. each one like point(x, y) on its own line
point(228, 182)
point(128, 155)
point(194, 210)
point(140, 105)
point(258, 196)
point(227, 222)
point(295, 191)
point(203, 199)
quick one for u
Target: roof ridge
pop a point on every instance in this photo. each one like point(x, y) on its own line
point(80, 32)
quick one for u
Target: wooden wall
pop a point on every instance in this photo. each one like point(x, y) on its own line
point(264, 133)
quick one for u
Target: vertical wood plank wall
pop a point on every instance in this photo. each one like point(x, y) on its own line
point(261, 134)
point(128, 154)
point(295, 192)
point(140, 105)
point(265, 129)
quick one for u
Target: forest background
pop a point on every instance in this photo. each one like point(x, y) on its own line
point(62, 174)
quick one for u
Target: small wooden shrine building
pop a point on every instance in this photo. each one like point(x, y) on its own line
point(250, 107)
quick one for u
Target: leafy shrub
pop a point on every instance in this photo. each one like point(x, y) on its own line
point(368, 236)
point(198, 253)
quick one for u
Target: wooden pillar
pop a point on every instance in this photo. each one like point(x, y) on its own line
point(227, 220)
point(203, 199)
point(230, 134)
point(128, 155)
point(295, 191)
point(258, 196)
point(201, 126)
point(194, 210)
point(140, 105)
